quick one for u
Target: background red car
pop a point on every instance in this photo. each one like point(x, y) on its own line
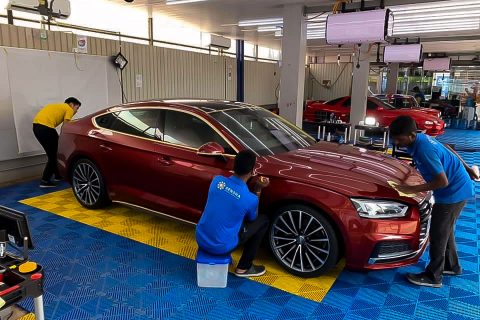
point(402, 101)
point(383, 112)
point(325, 200)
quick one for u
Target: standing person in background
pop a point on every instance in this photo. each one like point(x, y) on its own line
point(419, 96)
point(44, 124)
point(471, 102)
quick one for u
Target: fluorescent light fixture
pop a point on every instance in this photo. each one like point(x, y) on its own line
point(261, 22)
point(445, 15)
point(437, 64)
point(413, 31)
point(406, 53)
point(443, 4)
point(445, 22)
point(359, 27)
point(173, 2)
point(268, 28)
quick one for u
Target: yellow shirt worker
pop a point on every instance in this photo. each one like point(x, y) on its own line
point(44, 124)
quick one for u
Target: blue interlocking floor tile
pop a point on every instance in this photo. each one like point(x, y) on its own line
point(111, 277)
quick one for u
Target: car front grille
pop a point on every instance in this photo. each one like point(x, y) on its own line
point(425, 209)
point(388, 248)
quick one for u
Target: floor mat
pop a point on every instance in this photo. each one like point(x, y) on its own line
point(174, 237)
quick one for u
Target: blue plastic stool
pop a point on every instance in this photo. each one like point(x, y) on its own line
point(212, 270)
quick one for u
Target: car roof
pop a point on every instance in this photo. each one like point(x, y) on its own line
point(205, 105)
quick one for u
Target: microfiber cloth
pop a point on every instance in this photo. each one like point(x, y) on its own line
point(394, 186)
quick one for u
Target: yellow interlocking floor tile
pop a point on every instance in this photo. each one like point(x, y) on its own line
point(29, 316)
point(175, 237)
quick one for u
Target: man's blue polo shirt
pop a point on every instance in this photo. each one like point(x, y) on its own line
point(432, 158)
point(229, 203)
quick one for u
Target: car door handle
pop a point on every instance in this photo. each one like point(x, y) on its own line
point(105, 148)
point(164, 161)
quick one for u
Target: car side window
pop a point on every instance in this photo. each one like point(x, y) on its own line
point(371, 105)
point(188, 130)
point(138, 122)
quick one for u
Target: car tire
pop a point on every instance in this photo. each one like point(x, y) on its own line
point(88, 185)
point(303, 241)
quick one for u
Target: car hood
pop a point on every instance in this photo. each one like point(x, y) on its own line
point(343, 169)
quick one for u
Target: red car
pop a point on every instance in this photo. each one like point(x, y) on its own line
point(325, 201)
point(383, 112)
point(402, 101)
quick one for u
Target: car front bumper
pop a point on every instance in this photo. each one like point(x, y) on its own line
point(391, 243)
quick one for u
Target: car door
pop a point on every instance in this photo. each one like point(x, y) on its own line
point(183, 175)
point(126, 152)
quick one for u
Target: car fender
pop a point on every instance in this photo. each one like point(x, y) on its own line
point(336, 207)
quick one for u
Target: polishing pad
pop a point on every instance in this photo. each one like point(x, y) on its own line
point(27, 267)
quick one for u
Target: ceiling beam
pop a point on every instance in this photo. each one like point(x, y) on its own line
point(388, 3)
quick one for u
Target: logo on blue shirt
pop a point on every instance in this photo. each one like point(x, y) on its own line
point(223, 186)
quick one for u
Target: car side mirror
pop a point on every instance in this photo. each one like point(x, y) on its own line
point(211, 149)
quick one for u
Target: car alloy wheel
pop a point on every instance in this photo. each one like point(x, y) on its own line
point(303, 241)
point(88, 185)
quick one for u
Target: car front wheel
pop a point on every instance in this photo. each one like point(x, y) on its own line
point(303, 241)
point(88, 185)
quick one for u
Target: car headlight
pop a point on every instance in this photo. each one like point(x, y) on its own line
point(379, 209)
point(428, 123)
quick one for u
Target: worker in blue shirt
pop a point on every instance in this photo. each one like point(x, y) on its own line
point(230, 217)
point(450, 179)
point(419, 96)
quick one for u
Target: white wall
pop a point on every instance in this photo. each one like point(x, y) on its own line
point(166, 73)
point(340, 77)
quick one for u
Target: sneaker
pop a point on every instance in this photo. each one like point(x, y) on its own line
point(452, 273)
point(254, 271)
point(422, 279)
point(57, 179)
point(44, 184)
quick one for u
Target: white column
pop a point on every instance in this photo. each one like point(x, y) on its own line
point(361, 71)
point(292, 80)
point(392, 78)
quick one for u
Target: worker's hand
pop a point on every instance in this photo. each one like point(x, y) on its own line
point(262, 182)
point(473, 175)
point(406, 189)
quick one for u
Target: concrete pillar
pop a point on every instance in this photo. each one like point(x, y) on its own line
point(240, 71)
point(361, 71)
point(292, 80)
point(392, 78)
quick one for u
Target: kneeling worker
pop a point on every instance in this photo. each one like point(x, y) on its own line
point(44, 124)
point(450, 179)
point(230, 217)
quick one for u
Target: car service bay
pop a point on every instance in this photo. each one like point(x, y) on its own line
point(221, 159)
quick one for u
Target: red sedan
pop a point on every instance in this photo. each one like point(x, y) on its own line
point(383, 112)
point(325, 201)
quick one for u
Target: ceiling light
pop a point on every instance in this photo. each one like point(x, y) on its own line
point(436, 10)
point(173, 2)
point(445, 4)
point(475, 25)
point(472, 14)
point(435, 23)
point(413, 31)
point(268, 28)
point(261, 22)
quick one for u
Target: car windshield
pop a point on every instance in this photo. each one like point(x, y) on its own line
point(384, 104)
point(262, 131)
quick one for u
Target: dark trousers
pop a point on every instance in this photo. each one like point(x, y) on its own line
point(251, 236)
point(48, 138)
point(443, 249)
